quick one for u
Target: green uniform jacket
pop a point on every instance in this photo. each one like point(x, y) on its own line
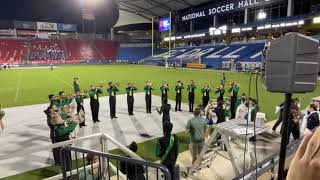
point(113, 91)
point(234, 91)
point(76, 86)
point(80, 98)
point(254, 112)
point(130, 90)
point(148, 89)
point(205, 92)
point(94, 93)
point(2, 114)
point(61, 103)
point(62, 130)
point(178, 89)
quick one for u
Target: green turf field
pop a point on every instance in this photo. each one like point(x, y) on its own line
point(31, 86)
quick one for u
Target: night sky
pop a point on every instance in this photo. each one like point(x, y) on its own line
point(62, 11)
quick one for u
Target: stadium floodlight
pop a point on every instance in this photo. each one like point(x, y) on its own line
point(260, 27)
point(262, 15)
point(301, 22)
point(316, 20)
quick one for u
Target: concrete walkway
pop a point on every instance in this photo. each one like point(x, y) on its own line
point(27, 127)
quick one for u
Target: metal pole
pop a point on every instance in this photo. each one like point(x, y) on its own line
point(103, 140)
point(170, 37)
point(284, 136)
point(152, 34)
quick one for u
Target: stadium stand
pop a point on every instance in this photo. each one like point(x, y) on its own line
point(133, 54)
point(46, 50)
point(82, 50)
point(12, 51)
point(108, 49)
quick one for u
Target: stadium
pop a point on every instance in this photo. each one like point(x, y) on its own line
point(159, 89)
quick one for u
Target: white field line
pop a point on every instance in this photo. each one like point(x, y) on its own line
point(61, 80)
point(18, 88)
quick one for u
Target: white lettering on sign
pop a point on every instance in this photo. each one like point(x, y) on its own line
point(195, 53)
point(221, 9)
point(173, 53)
point(232, 54)
point(216, 54)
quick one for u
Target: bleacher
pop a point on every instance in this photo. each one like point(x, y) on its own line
point(12, 51)
point(133, 54)
point(109, 49)
point(82, 50)
point(213, 55)
point(46, 50)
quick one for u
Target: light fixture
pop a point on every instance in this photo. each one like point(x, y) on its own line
point(316, 20)
point(262, 15)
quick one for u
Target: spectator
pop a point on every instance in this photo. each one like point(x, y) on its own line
point(197, 129)
point(167, 148)
point(133, 172)
point(91, 173)
point(312, 119)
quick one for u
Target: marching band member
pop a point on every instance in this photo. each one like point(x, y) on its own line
point(165, 110)
point(223, 79)
point(94, 102)
point(130, 99)
point(112, 90)
point(79, 100)
point(205, 95)
point(62, 100)
point(312, 119)
point(234, 89)
point(76, 85)
point(191, 88)
point(220, 91)
point(252, 113)
point(2, 114)
point(62, 133)
point(148, 98)
point(178, 90)
point(164, 91)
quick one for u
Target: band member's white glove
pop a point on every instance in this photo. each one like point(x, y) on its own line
point(277, 109)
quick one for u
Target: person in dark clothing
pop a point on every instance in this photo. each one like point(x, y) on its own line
point(164, 90)
point(148, 98)
point(167, 148)
point(220, 91)
point(205, 95)
point(274, 128)
point(133, 172)
point(76, 85)
point(165, 111)
point(221, 112)
point(313, 118)
point(191, 89)
point(112, 90)
point(130, 98)
point(94, 102)
point(234, 89)
point(79, 100)
point(293, 124)
point(49, 119)
point(178, 89)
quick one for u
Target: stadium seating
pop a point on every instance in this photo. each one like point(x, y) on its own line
point(46, 50)
point(109, 49)
point(12, 51)
point(214, 55)
point(133, 54)
point(82, 50)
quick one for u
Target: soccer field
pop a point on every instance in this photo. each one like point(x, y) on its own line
point(31, 86)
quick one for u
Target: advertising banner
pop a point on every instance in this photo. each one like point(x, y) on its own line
point(26, 33)
point(47, 26)
point(221, 8)
point(164, 24)
point(67, 27)
point(25, 25)
point(6, 32)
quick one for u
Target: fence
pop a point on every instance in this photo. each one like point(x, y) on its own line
point(104, 166)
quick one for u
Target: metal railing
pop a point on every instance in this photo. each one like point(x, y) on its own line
point(105, 166)
point(268, 164)
point(104, 141)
